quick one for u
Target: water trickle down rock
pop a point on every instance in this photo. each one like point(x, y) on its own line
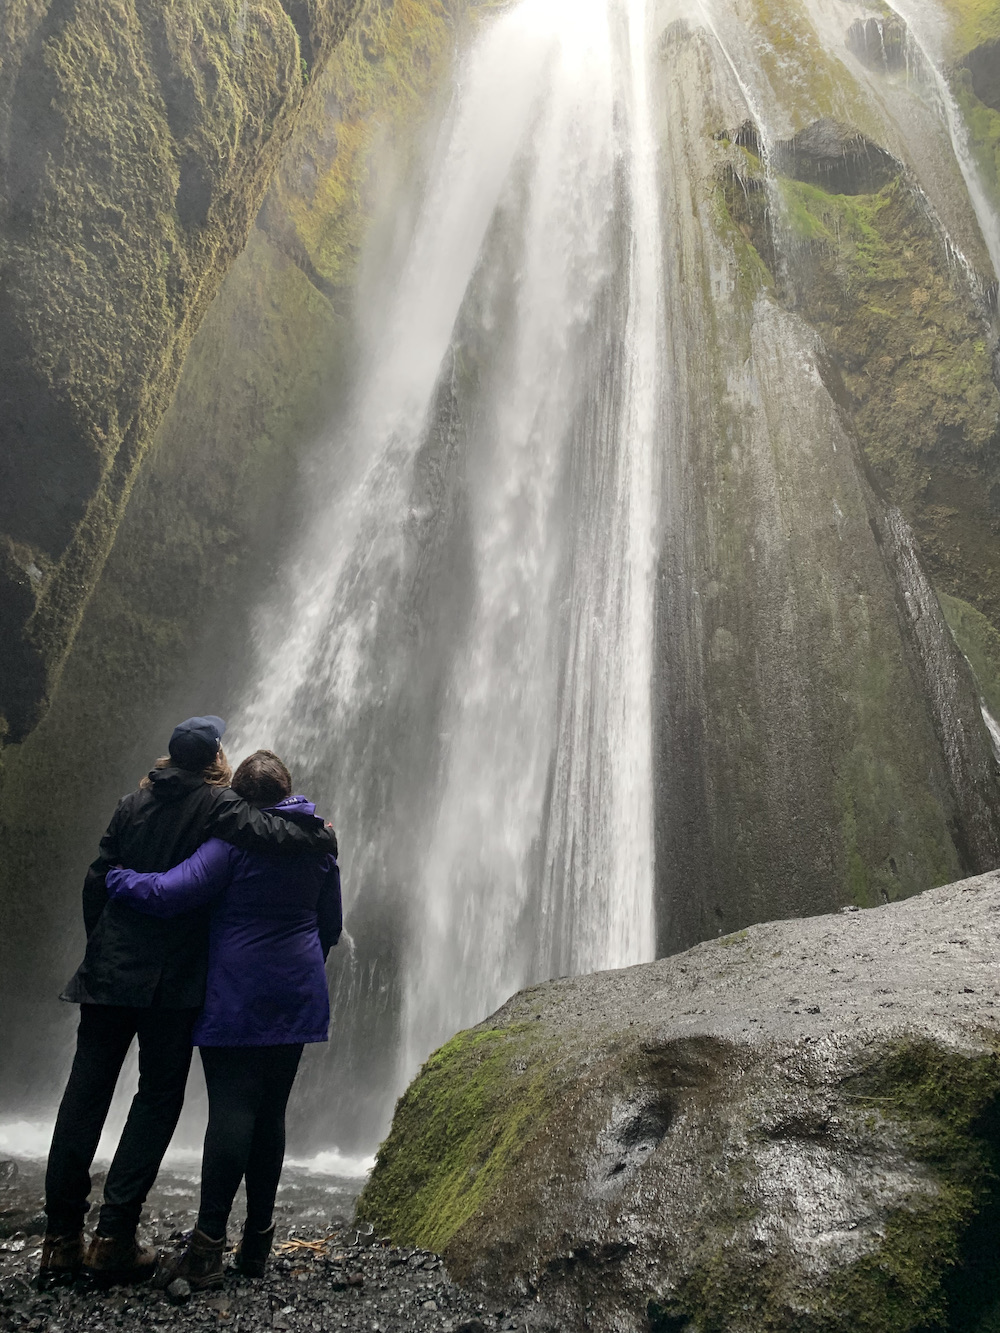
point(879, 42)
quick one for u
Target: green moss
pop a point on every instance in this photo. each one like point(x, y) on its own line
point(139, 146)
point(983, 124)
point(457, 1131)
point(381, 86)
point(975, 22)
point(913, 354)
point(753, 275)
point(942, 1104)
point(980, 642)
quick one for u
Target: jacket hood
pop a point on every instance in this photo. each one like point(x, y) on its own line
point(170, 784)
point(296, 808)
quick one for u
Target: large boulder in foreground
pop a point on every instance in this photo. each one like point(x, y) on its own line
point(791, 1128)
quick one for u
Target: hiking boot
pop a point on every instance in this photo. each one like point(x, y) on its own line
point(114, 1260)
point(201, 1263)
point(252, 1251)
point(62, 1258)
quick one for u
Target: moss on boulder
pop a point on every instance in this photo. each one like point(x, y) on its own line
point(789, 1130)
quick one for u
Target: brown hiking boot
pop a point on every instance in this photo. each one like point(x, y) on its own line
point(201, 1263)
point(62, 1258)
point(252, 1251)
point(114, 1260)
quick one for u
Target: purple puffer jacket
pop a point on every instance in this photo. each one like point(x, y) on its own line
point(273, 923)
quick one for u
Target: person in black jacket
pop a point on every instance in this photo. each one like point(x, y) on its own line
point(143, 976)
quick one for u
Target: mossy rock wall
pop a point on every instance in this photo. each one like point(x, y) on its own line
point(819, 737)
point(787, 1130)
point(165, 632)
point(136, 143)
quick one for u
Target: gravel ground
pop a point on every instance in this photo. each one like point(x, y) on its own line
point(325, 1274)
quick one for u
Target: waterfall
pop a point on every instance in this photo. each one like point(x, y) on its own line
point(457, 662)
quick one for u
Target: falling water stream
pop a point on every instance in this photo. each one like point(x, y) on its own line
point(482, 732)
point(457, 659)
point(571, 482)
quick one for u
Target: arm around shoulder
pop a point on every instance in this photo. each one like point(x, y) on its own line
point(236, 821)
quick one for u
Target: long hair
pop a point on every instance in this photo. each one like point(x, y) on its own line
point(217, 774)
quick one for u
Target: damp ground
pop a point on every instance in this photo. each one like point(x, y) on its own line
point(325, 1275)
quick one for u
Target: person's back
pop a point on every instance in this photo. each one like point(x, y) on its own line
point(270, 931)
point(145, 977)
point(273, 923)
point(154, 828)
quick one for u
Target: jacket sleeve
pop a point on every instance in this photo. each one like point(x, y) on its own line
point(95, 892)
point(329, 909)
point(186, 887)
point(234, 820)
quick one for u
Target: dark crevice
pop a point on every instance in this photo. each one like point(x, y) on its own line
point(972, 1286)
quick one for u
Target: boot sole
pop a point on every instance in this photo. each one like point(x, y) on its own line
point(120, 1277)
point(205, 1283)
point(58, 1277)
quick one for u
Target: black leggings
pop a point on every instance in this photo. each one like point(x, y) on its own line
point(248, 1089)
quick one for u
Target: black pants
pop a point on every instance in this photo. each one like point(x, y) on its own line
point(248, 1089)
point(102, 1042)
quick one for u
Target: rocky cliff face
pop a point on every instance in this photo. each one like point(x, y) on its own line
point(791, 1128)
point(136, 142)
point(166, 625)
point(839, 434)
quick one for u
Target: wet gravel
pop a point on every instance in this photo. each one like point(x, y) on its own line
point(325, 1275)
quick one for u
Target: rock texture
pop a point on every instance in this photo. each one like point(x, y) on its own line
point(831, 463)
point(136, 143)
point(324, 1274)
point(792, 1128)
point(208, 506)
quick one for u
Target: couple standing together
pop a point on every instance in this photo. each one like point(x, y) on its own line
point(209, 911)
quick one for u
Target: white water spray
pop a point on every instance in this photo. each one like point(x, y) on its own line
point(488, 753)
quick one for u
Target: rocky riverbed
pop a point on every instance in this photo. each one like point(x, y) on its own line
point(326, 1274)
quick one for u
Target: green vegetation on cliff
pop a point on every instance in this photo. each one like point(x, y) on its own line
point(912, 354)
point(980, 642)
point(138, 142)
point(374, 102)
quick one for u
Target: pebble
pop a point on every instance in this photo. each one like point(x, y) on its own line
point(357, 1283)
point(179, 1291)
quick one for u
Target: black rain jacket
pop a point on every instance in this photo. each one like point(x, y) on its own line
point(139, 960)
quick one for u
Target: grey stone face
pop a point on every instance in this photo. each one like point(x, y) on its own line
point(789, 1128)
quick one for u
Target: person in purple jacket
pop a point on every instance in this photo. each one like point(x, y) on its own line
point(273, 923)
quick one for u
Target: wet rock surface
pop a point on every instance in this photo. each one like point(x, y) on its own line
point(836, 158)
point(796, 1128)
point(325, 1274)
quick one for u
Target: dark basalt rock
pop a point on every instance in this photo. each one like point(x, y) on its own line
point(983, 63)
point(318, 1278)
point(880, 42)
point(837, 158)
point(794, 1128)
